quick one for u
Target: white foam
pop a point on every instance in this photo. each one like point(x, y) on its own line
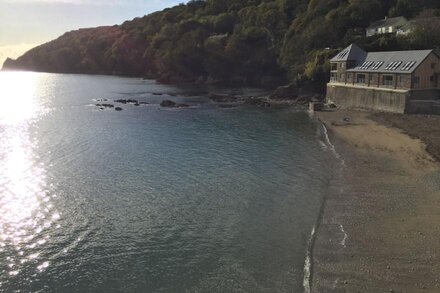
point(344, 239)
point(331, 146)
point(308, 264)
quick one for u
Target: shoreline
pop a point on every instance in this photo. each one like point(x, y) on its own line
point(339, 165)
point(378, 230)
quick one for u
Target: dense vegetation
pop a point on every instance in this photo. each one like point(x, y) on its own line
point(263, 42)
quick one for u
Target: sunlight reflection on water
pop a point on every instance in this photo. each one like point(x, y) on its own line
point(26, 210)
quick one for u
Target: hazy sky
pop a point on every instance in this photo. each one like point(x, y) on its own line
point(26, 23)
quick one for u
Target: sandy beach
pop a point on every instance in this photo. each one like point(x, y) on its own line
point(380, 227)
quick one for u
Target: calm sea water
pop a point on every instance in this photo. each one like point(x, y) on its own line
point(152, 200)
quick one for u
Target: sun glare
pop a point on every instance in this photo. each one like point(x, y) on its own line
point(26, 211)
point(18, 97)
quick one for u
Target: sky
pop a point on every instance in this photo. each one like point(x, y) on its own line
point(27, 23)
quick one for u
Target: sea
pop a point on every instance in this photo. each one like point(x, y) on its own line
point(153, 199)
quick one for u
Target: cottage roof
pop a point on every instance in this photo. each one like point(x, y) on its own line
point(392, 62)
point(351, 53)
point(387, 22)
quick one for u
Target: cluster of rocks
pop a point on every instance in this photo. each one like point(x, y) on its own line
point(103, 106)
point(130, 101)
point(171, 104)
point(230, 101)
point(257, 102)
point(220, 98)
point(296, 95)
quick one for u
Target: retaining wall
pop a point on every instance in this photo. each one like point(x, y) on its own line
point(368, 98)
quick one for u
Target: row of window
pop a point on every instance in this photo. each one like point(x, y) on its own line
point(371, 65)
point(387, 80)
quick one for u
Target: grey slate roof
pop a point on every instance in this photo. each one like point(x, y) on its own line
point(393, 21)
point(384, 62)
point(352, 52)
point(393, 61)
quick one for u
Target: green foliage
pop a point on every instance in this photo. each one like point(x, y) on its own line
point(239, 41)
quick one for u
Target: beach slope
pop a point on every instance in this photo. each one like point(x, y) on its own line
point(380, 227)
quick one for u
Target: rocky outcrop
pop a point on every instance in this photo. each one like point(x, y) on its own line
point(223, 98)
point(295, 95)
point(171, 104)
point(105, 105)
point(285, 92)
point(129, 101)
point(168, 103)
point(257, 102)
point(229, 100)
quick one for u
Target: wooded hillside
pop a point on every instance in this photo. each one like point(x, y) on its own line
point(258, 42)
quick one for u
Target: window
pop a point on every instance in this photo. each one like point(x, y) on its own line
point(388, 80)
point(371, 77)
point(433, 65)
point(401, 79)
point(334, 77)
point(366, 65)
point(377, 65)
point(343, 54)
point(334, 66)
point(431, 78)
point(408, 65)
point(360, 78)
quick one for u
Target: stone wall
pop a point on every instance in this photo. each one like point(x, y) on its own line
point(424, 102)
point(367, 98)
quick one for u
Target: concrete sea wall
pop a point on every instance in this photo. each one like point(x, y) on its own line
point(367, 98)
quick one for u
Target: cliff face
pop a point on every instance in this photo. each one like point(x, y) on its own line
point(262, 42)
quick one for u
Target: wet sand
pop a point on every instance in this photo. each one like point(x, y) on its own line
point(380, 228)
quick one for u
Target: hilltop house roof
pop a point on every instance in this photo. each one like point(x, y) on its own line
point(384, 62)
point(387, 22)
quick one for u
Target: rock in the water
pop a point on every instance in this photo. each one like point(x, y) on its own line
point(221, 98)
point(257, 102)
point(171, 104)
point(105, 105)
point(227, 106)
point(168, 104)
point(118, 109)
point(129, 101)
